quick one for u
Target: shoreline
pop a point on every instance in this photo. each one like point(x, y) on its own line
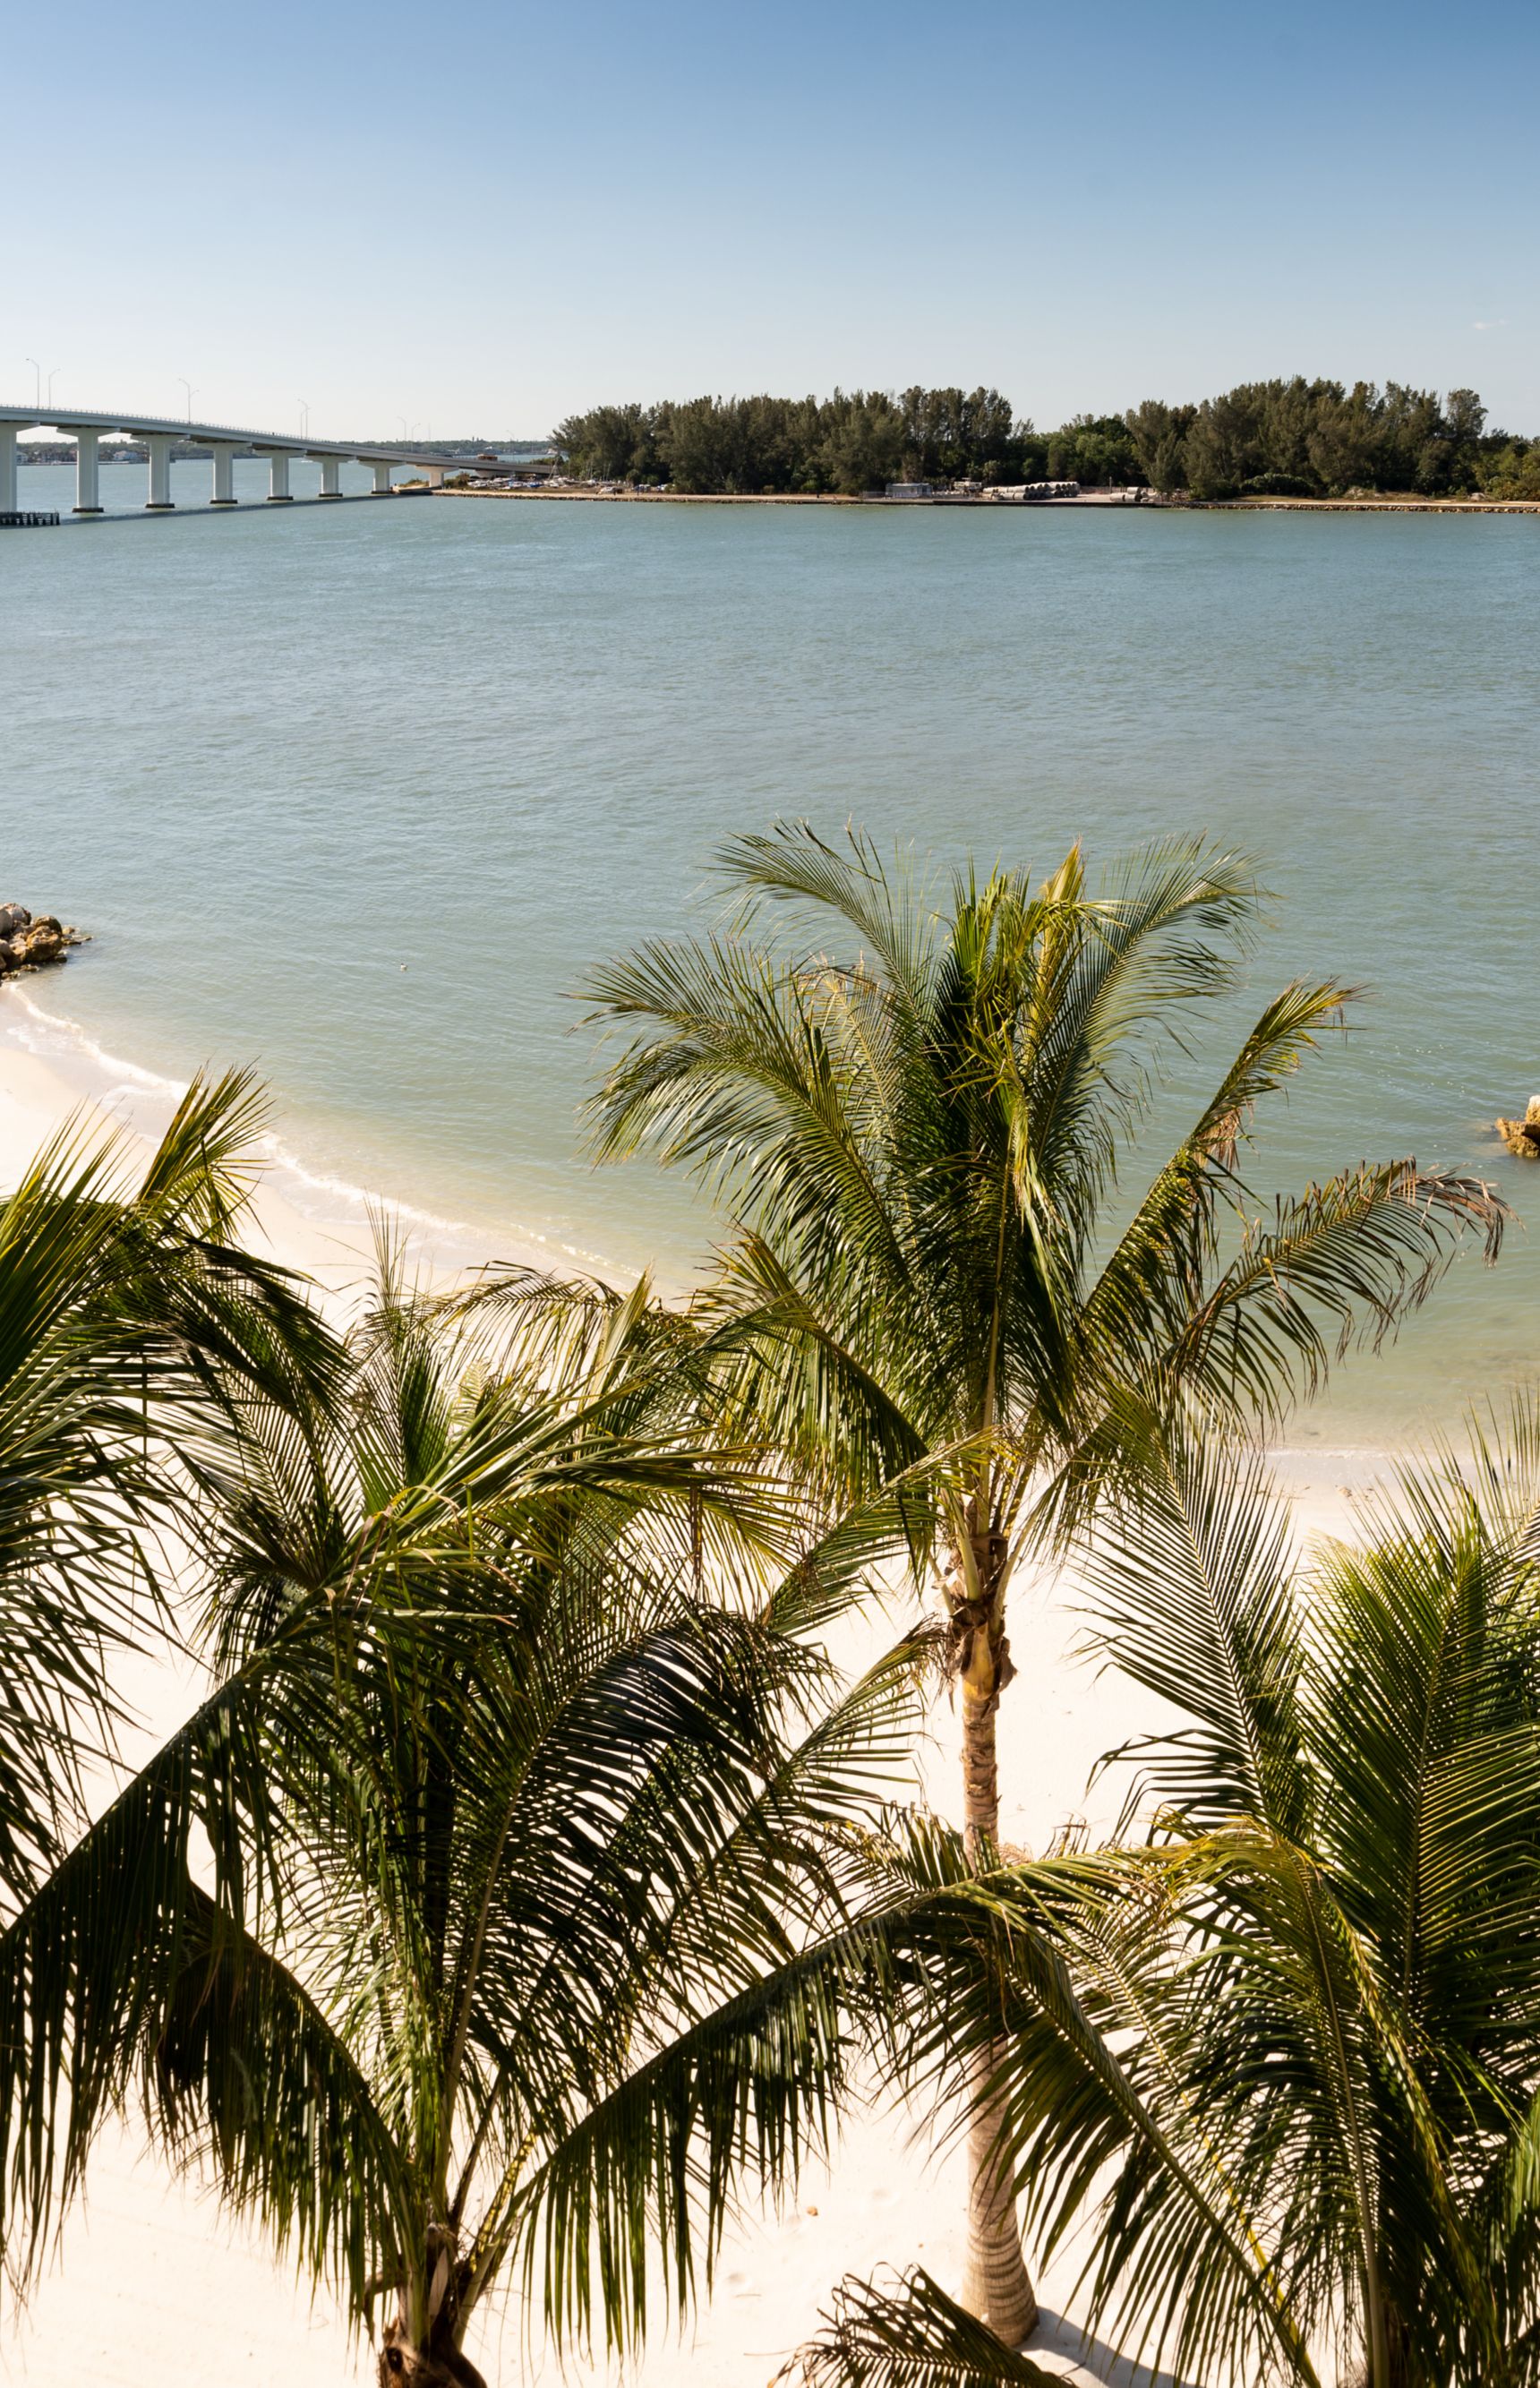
point(1142, 499)
point(52, 1068)
point(1388, 505)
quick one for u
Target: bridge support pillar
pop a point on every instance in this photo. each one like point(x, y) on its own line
point(331, 477)
point(382, 480)
point(278, 490)
point(159, 446)
point(88, 481)
point(224, 476)
point(436, 476)
point(8, 468)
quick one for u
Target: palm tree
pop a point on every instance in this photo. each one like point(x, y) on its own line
point(933, 1278)
point(1321, 1977)
point(512, 1893)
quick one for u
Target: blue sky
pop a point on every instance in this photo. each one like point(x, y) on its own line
point(477, 218)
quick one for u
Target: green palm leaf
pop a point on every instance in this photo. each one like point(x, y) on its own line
point(909, 2334)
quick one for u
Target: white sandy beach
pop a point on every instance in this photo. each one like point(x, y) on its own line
point(151, 2281)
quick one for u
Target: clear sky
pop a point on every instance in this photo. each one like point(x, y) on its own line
point(474, 218)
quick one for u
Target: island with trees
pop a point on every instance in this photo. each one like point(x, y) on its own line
point(1262, 439)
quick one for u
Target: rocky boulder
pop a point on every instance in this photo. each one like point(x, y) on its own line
point(31, 941)
point(1522, 1136)
point(43, 942)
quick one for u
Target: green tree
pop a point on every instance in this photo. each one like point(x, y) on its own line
point(610, 443)
point(1465, 417)
point(861, 442)
point(1285, 413)
point(1159, 434)
point(916, 1135)
point(1098, 450)
point(1221, 449)
point(1512, 471)
point(1344, 443)
point(1321, 1977)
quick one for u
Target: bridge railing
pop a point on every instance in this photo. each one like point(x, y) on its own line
point(170, 426)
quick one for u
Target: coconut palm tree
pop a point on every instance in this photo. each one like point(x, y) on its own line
point(512, 1893)
point(917, 1119)
point(1321, 1977)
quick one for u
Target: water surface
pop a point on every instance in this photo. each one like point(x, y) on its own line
point(270, 758)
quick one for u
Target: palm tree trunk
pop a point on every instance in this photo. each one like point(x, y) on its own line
point(419, 2348)
point(997, 2286)
point(402, 2364)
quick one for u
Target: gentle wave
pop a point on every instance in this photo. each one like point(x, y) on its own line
point(145, 1100)
point(54, 1038)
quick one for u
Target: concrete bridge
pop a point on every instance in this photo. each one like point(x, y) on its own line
point(160, 433)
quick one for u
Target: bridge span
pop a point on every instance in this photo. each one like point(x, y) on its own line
point(160, 433)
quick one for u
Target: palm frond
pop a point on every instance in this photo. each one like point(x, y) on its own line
point(117, 1317)
point(201, 1177)
point(1337, 1266)
point(1191, 1577)
point(89, 1963)
point(889, 911)
point(243, 2072)
point(907, 2334)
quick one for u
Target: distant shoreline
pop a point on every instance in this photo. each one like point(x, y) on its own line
point(1152, 504)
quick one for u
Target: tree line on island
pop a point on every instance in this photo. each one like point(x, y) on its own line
point(1280, 438)
point(528, 1891)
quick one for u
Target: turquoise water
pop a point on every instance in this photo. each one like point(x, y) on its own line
point(273, 756)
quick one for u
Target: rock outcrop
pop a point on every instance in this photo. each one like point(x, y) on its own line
point(31, 941)
point(1522, 1136)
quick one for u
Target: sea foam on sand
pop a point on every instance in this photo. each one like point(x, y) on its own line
point(152, 2281)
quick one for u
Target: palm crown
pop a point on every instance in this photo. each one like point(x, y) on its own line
point(919, 1143)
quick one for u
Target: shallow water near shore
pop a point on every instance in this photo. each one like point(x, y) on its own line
point(356, 794)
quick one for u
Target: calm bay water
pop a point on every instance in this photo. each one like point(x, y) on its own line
point(270, 757)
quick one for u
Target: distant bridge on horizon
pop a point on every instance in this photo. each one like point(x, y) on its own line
point(160, 433)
